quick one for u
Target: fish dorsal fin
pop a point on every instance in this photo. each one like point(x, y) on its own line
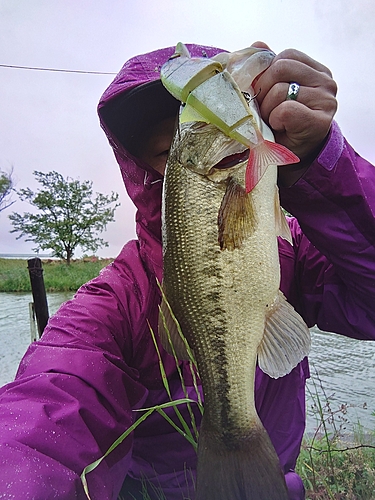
point(282, 226)
point(170, 337)
point(236, 218)
point(286, 340)
point(263, 155)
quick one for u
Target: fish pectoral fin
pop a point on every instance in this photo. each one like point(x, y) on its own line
point(171, 338)
point(263, 155)
point(236, 218)
point(282, 226)
point(286, 340)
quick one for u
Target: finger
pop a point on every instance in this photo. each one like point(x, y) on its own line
point(260, 45)
point(286, 71)
point(286, 121)
point(296, 55)
point(290, 114)
point(319, 97)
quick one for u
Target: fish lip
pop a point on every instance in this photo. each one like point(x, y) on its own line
point(232, 160)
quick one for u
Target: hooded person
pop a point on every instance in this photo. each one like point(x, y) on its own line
point(79, 387)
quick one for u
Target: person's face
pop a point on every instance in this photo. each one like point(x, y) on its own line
point(156, 145)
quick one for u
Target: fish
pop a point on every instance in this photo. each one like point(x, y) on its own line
point(221, 278)
point(198, 81)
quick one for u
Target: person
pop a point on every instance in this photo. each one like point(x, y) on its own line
point(78, 388)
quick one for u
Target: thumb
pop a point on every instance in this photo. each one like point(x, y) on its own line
point(260, 45)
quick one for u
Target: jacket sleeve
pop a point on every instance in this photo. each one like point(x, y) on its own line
point(72, 398)
point(334, 204)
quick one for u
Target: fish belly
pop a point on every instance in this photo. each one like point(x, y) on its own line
point(220, 298)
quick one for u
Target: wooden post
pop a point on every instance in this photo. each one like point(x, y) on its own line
point(33, 327)
point(39, 293)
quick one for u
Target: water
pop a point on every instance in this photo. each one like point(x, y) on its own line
point(342, 373)
point(345, 367)
point(15, 333)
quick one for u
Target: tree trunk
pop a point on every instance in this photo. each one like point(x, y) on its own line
point(69, 255)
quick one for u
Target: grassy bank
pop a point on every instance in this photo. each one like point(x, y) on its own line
point(58, 277)
point(335, 468)
point(338, 461)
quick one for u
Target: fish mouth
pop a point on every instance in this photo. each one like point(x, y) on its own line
point(232, 160)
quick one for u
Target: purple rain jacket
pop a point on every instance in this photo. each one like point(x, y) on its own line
point(77, 389)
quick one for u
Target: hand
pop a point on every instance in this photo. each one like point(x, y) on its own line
point(302, 125)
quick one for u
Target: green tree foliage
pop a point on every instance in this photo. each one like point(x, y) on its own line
point(69, 216)
point(6, 188)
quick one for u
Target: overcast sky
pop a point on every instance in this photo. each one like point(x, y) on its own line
point(48, 120)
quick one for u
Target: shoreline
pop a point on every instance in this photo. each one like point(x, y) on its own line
point(58, 276)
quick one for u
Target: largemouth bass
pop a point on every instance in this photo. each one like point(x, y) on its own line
point(221, 280)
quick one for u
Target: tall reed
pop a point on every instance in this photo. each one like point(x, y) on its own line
point(338, 461)
point(332, 465)
point(188, 429)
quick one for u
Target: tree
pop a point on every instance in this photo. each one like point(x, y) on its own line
point(6, 188)
point(69, 216)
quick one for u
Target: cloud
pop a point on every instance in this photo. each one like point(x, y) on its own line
point(347, 22)
point(49, 120)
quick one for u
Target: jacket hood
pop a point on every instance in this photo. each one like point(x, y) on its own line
point(135, 99)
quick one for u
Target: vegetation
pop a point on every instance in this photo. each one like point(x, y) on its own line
point(337, 469)
point(6, 188)
point(334, 464)
point(68, 215)
point(58, 276)
point(188, 429)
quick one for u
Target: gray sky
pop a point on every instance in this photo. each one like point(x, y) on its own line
point(49, 121)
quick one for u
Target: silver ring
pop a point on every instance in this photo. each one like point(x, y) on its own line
point(293, 91)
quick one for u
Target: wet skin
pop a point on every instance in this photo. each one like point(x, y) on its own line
point(157, 144)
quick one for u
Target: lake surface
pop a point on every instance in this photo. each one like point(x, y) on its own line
point(342, 373)
point(342, 369)
point(15, 334)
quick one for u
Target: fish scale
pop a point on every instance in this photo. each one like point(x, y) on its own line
point(221, 279)
point(222, 319)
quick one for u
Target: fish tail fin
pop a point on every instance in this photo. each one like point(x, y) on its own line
point(247, 469)
point(263, 155)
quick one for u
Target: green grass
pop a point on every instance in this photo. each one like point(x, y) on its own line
point(187, 429)
point(338, 469)
point(333, 463)
point(58, 277)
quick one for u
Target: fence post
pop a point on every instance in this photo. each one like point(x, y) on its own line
point(39, 293)
point(33, 328)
